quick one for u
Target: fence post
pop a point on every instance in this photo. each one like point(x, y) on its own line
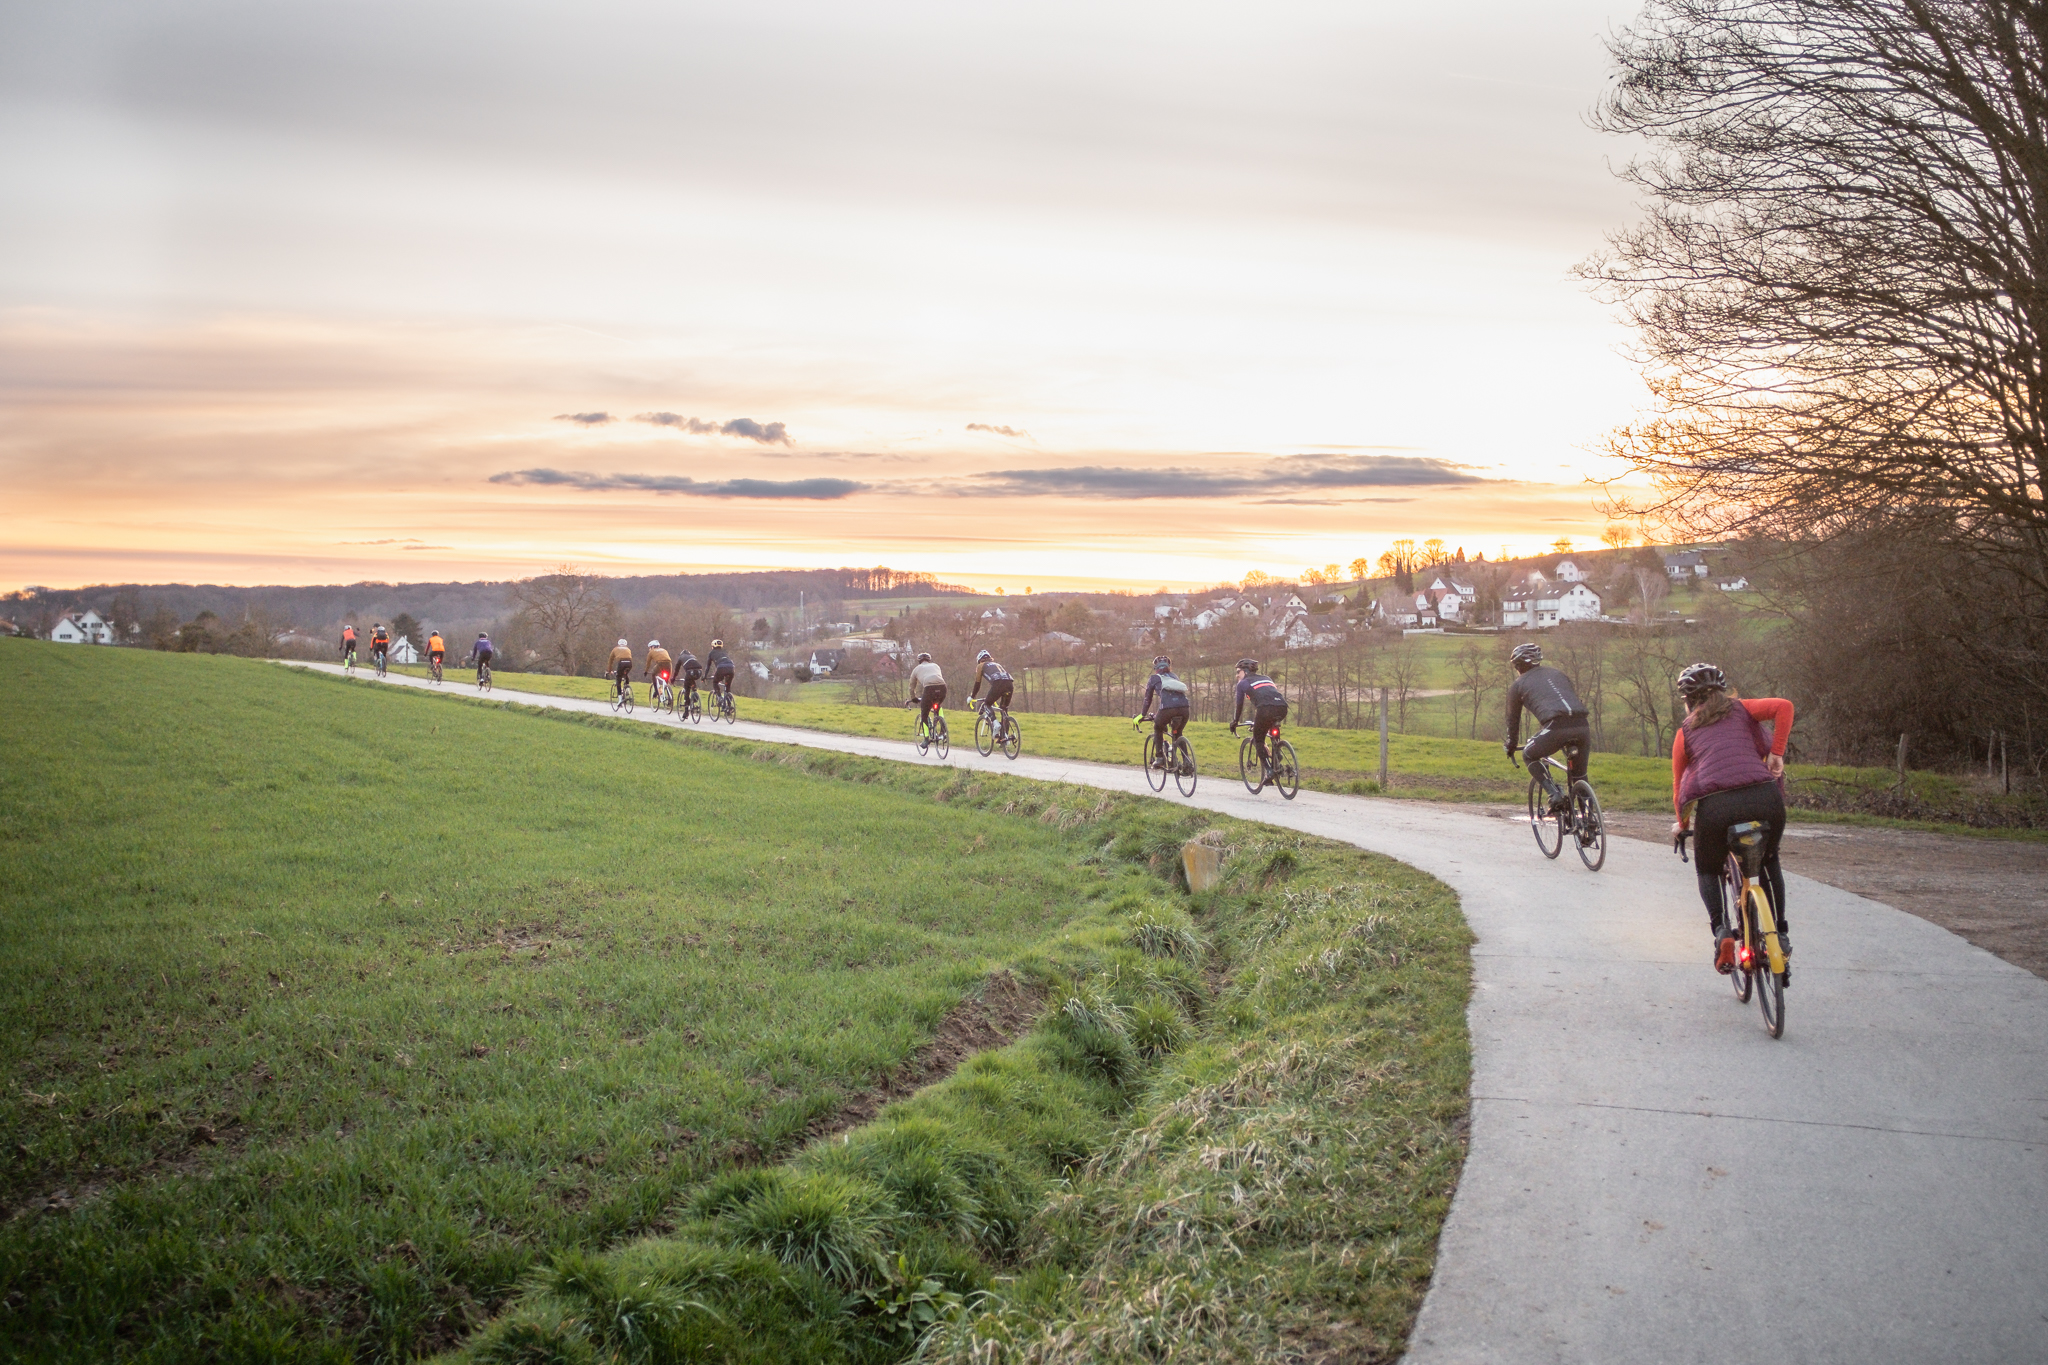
point(1902, 763)
point(1383, 739)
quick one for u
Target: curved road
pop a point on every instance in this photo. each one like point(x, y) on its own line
point(1652, 1178)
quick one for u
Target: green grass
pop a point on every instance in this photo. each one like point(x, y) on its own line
point(333, 1009)
point(343, 1017)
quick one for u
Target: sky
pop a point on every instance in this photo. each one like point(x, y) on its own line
point(1056, 295)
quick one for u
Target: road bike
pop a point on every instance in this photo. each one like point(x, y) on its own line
point(1760, 964)
point(622, 698)
point(723, 709)
point(693, 705)
point(931, 732)
point(348, 662)
point(661, 695)
point(483, 677)
point(1168, 754)
point(1581, 819)
point(995, 729)
point(434, 666)
point(383, 658)
point(1283, 771)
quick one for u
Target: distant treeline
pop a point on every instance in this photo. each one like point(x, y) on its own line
point(454, 606)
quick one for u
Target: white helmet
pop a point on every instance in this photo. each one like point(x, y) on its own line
point(622, 644)
point(654, 644)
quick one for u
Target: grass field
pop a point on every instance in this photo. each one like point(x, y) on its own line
point(338, 1015)
point(1429, 767)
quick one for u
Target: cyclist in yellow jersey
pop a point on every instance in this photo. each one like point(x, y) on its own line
point(621, 668)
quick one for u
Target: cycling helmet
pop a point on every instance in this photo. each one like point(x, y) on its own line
point(483, 635)
point(1161, 663)
point(1247, 665)
point(924, 658)
point(1698, 679)
point(718, 644)
point(623, 645)
point(654, 644)
point(983, 657)
point(1526, 655)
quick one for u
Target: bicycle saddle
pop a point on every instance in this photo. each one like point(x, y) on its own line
point(1746, 841)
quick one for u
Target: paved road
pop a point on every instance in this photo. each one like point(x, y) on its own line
point(1651, 1177)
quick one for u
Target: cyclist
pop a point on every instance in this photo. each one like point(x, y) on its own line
point(348, 641)
point(1269, 707)
point(691, 670)
point(659, 666)
point(621, 668)
point(1724, 772)
point(1173, 700)
point(380, 645)
point(1000, 687)
point(482, 653)
point(1555, 703)
point(927, 688)
point(437, 648)
point(720, 666)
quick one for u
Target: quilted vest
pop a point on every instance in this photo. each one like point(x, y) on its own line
point(1723, 756)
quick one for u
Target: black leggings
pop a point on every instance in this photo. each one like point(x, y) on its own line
point(1570, 733)
point(1711, 818)
point(1178, 719)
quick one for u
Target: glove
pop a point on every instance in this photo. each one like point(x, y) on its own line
point(1233, 727)
point(1507, 748)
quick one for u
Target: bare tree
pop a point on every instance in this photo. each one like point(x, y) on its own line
point(1478, 673)
point(1403, 668)
point(569, 616)
point(1842, 284)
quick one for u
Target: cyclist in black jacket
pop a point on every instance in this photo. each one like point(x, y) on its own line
point(1269, 707)
point(1173, 698)
point(1001, 687)
point(1555, 703)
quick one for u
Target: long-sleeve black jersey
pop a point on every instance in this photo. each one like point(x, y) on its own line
point(1548, 694)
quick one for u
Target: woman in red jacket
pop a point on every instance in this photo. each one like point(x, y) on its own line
point(1725, 770)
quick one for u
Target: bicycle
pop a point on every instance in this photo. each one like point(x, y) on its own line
point(1283, 771)
point(931, 732)
point(1166, 754)
point(483, 677)
point(348, 663)
point(722, 701)
point(383, 658)
point(434, 666)
point(693, 706)
point(995, 729)
point(622, 698)
point(1760, 964)
point(660, 695)
point(1582, 818)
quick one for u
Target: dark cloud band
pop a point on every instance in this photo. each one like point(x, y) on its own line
point(815, 490)
point(1261, 477)
point(766, 433)
point(584, 419)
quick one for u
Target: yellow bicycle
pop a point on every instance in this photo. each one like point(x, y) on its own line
point(1760, 965)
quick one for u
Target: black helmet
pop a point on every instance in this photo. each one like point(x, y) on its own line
point(983, 657)
point(1162, 663)
point(924, 658)
point(1247, 665)
point(1697, 679)
point(1526, 655)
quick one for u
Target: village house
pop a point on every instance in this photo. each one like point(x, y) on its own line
point(1452, 600)
point(1567, 571)
point(1685, 564)
point(82, 628)
point(1735, 584)
point(1539, 605)
point(824, 662)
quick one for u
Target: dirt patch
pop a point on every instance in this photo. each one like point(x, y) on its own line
point(1991, 892)
point(1002, 1013)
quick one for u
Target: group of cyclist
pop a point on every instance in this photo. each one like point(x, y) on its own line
point(661, 669)
point(1725, 771)
point(437, 648)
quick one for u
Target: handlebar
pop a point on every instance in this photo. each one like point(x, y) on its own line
point(1678, 844)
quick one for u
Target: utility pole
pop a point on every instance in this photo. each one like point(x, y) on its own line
point(1383, 739)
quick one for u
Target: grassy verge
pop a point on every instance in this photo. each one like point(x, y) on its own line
point(332, 1013)
point(1233, 1135)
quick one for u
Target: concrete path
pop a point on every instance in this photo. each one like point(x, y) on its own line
point(1651, 1177)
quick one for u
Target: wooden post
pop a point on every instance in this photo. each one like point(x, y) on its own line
point(2004, 763)
point(1902, 763)
point(1383, 739)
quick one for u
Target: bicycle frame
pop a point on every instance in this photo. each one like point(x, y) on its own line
point(1750, 902)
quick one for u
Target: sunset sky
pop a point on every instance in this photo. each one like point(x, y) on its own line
point(1052, 295)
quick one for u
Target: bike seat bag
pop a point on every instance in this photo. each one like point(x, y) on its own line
point(1746, 841)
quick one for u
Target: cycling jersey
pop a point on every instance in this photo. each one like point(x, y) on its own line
point(990, 672)
point(692, 669)
point(1262, 692)
point(1548, 694)
point(925, 675)
point(658, 661)
point(620, 655)
point(436, 645)
point(484, 649)
point(719, 661)
point(1171, 692)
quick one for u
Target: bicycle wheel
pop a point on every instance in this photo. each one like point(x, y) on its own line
point(627, 696)
point(727, 711)
point(984, 734)
point(942, 741)
point(1155, 764)
point(694, 709)
point(1770, 985)
point(1248, 767)
point(1549, 831)
point(483, 680)
point(924, 737)
point(1738, 920)
point(1013, 737)
point(1589, 829)
point(1184, 767)
point(1286, 769)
